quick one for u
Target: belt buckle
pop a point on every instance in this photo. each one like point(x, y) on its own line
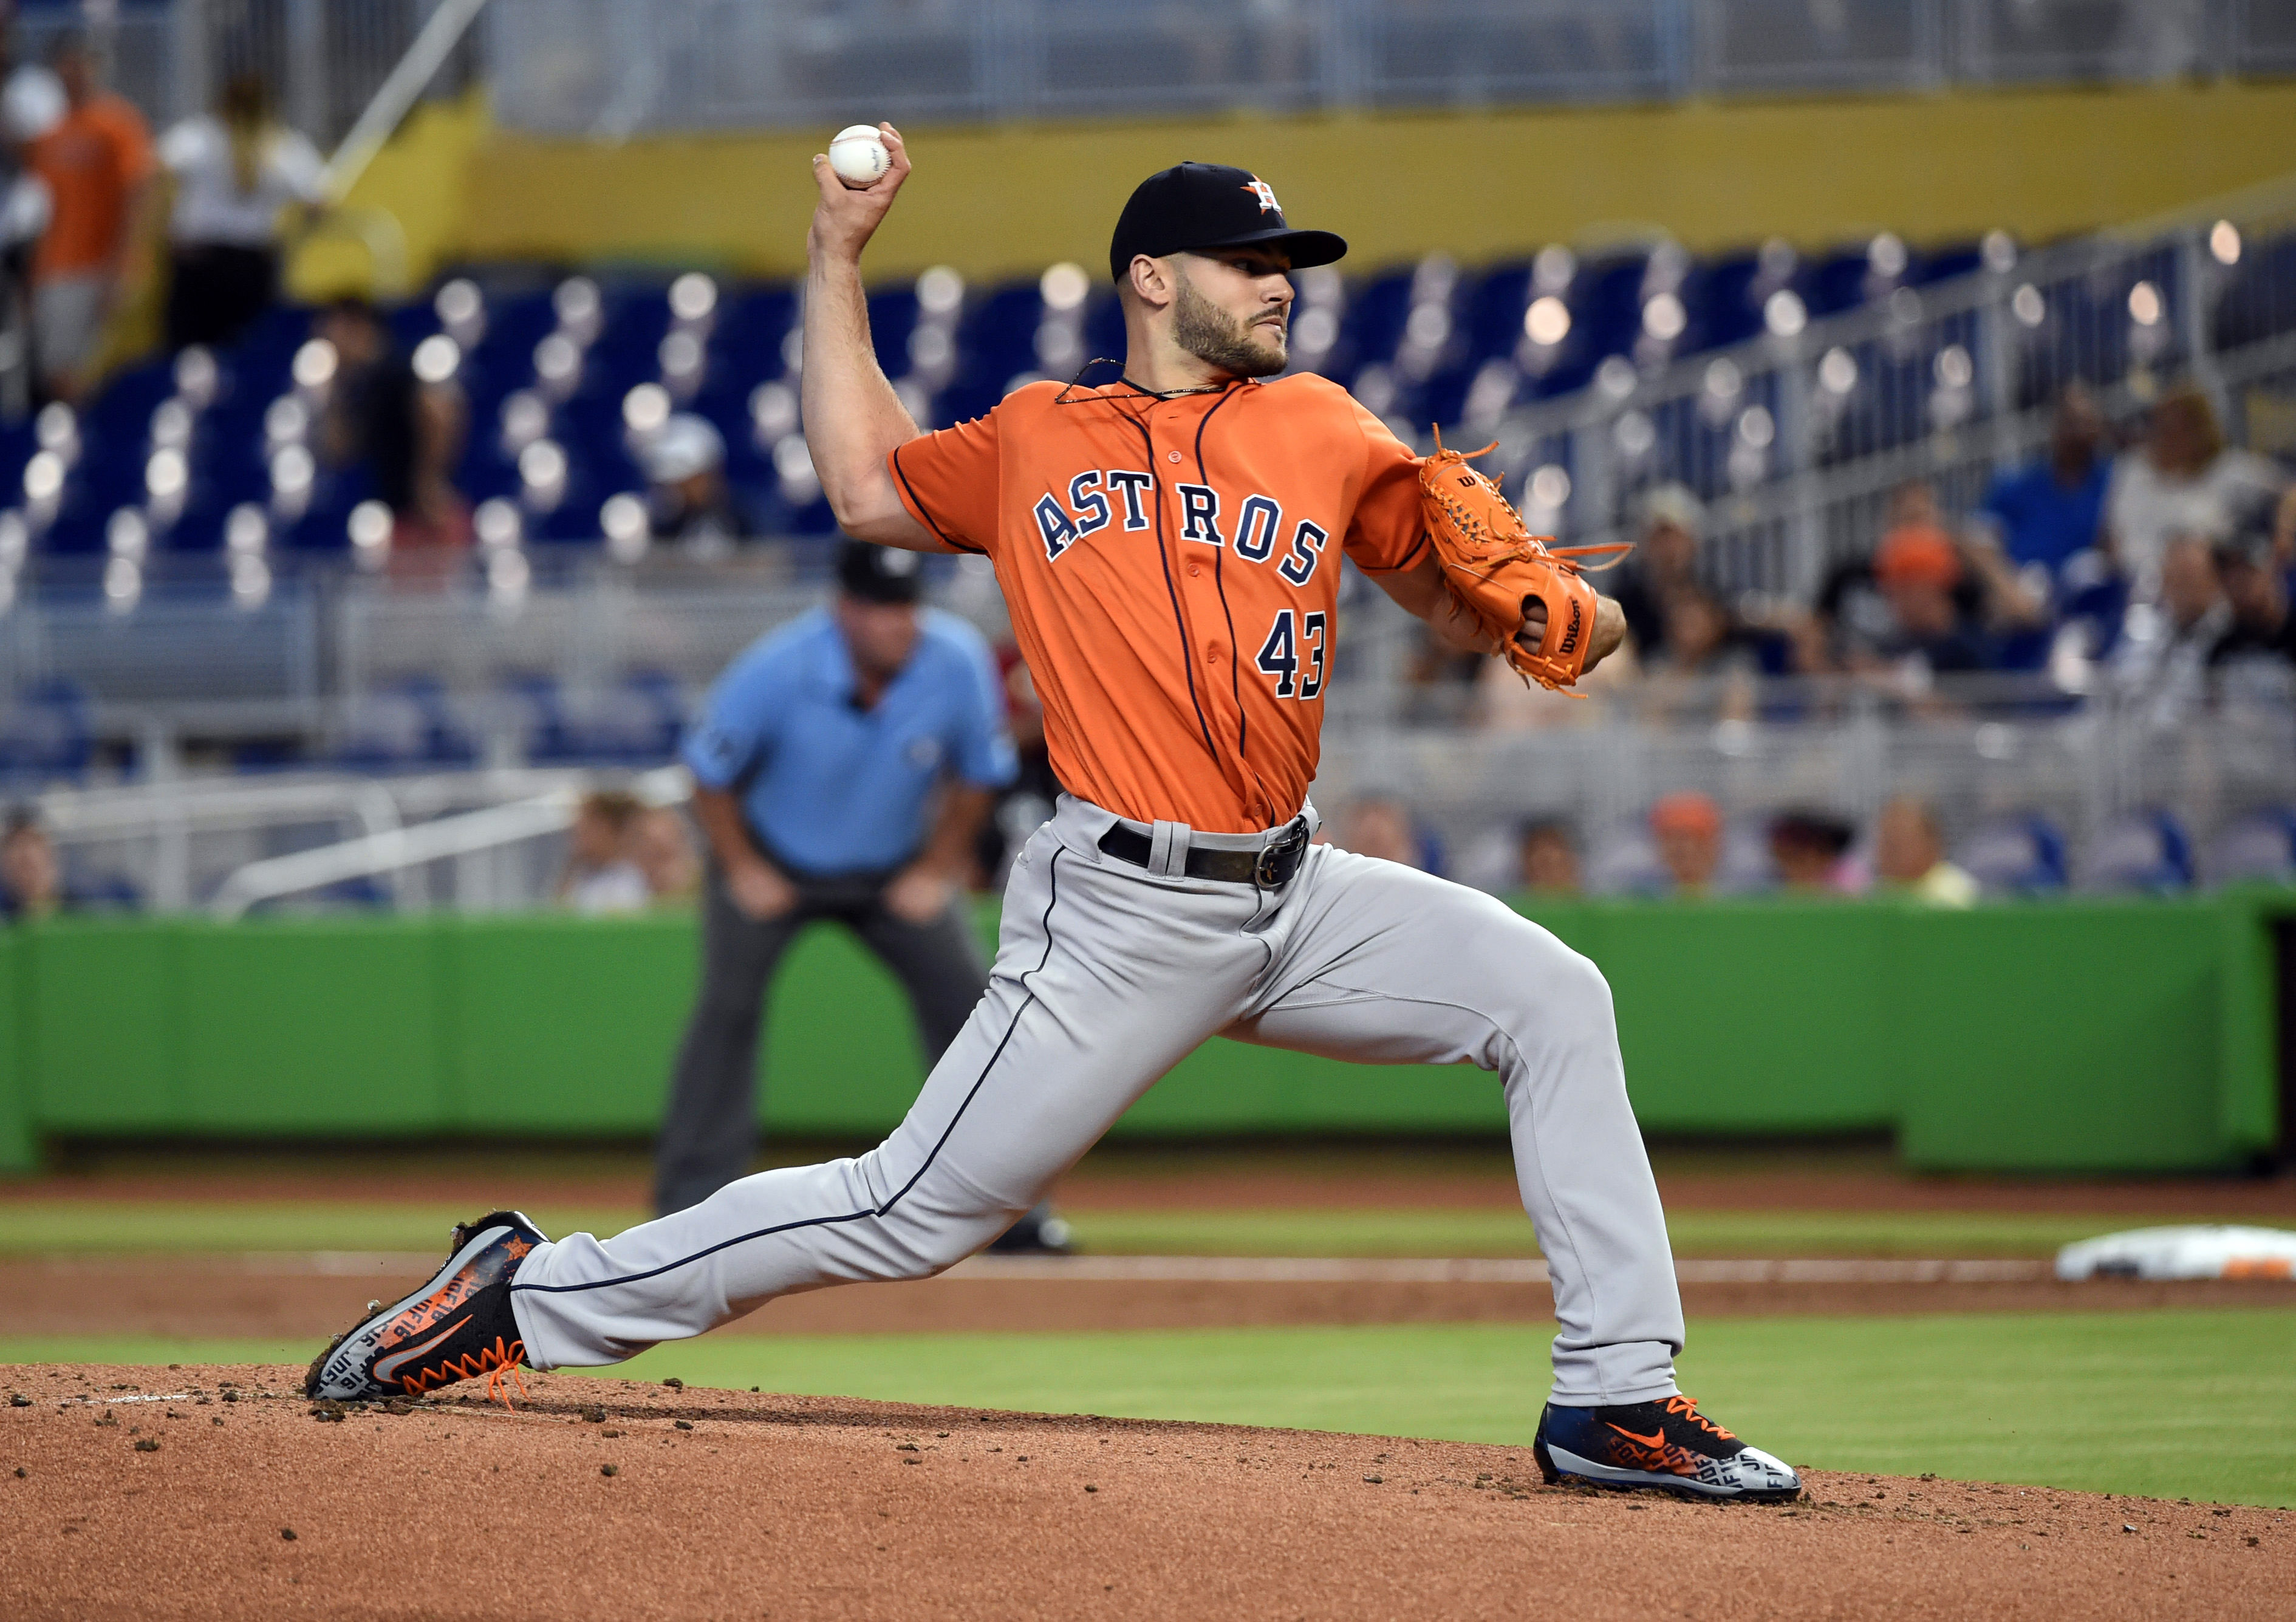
point(1268, 873)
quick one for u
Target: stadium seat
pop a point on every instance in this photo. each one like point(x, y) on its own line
point(618, 326)
point(46, 736)
point(405, 726)
point(2145, 851)
point(2260, 845)
point(2021, 854)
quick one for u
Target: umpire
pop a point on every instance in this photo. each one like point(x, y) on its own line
point(816, 762)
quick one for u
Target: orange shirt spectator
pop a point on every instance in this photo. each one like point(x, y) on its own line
point(92, 163)
point(97, 163)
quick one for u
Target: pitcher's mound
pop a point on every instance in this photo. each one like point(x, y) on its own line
point(219, 1491)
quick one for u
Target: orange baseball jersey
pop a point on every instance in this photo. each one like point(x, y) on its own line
point(1172, 569)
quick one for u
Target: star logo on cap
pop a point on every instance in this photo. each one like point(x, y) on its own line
point(1265, 193)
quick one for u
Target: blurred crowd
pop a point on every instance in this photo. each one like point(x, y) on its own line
point(2156, 569)
point(2146, 560)
point(112, 238)
point(1682, 853)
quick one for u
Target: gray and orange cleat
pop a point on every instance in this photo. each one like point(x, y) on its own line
point(1666, 1443)
point(458, 1326)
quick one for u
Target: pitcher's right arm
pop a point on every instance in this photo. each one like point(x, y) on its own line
point(853, 419)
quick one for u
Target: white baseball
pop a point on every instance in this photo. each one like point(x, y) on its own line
point(858, 155)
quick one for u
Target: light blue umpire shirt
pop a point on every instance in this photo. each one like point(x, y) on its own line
point(831, 788)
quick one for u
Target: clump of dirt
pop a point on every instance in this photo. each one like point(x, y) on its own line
point(831, 1507)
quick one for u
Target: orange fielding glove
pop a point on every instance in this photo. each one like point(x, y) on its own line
point(1494, 566)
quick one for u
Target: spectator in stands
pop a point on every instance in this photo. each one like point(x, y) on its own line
point(1807, 848)
point(97, 162)
point(1441, 682)
point(31, 879)
point(2052, 508)
point(1687, 830)
point(687, 497)
point(1855, 626)
point(1705, 667)
point(602, 874)
point(2255, 657)
point(1549, 855)
point(407, 433)
point(1909, 856)
point(663, 851)
point(1918, 571)
point(1380, 825)
point(1664, 561)
point(2164, 652)
point(2183, 481)
point(32, 102)
point(242, 179)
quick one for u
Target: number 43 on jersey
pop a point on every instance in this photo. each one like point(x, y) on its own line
point(1293, 654)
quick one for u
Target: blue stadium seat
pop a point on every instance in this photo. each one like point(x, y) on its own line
point(2145, 851)
point(996, 333)
point(2260, 845)
point(2019, 855)
point(46, 736)
point(407, 725)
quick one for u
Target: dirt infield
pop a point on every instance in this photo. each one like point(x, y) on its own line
point(216, 1493)
point(290, 1297)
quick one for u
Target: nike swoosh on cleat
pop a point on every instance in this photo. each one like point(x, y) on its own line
point(386, 1369)
point(1656, 1439)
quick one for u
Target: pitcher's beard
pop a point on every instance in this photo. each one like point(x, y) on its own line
point(1216, 337)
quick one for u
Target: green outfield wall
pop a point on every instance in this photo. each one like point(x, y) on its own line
point(2102, 1035)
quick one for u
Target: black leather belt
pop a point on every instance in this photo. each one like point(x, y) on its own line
point(1270, 867)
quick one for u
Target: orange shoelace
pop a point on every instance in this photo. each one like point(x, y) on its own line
point(1686, 1407)
point(505, 1361)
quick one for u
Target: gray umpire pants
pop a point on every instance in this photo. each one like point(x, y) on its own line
point(1106, 976)
point(710, 1131)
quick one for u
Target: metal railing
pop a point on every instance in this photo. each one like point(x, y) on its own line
point(474, 840)
point(617, 67)
point(324, 60)
point(393, 852)
point(1993, 765)
point(1796, 439)
point(2098, 777)
point(614, 68)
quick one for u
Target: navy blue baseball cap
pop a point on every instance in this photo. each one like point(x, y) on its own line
point(878, 574)
point(1192, 206)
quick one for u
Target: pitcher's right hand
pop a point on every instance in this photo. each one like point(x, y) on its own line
point(847, 217)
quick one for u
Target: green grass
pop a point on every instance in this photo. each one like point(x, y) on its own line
point(2169, 1404)
point(1501, 1233)
point(32, 1228)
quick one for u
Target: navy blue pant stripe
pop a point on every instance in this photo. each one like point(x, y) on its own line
point(1052, 873)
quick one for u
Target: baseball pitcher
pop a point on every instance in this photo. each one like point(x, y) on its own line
point(1168, 542)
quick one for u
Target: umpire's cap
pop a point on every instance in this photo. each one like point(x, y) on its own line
point(1190, 207)
point(877, 574)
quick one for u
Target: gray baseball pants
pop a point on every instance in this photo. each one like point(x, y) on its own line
point(1106, 976)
